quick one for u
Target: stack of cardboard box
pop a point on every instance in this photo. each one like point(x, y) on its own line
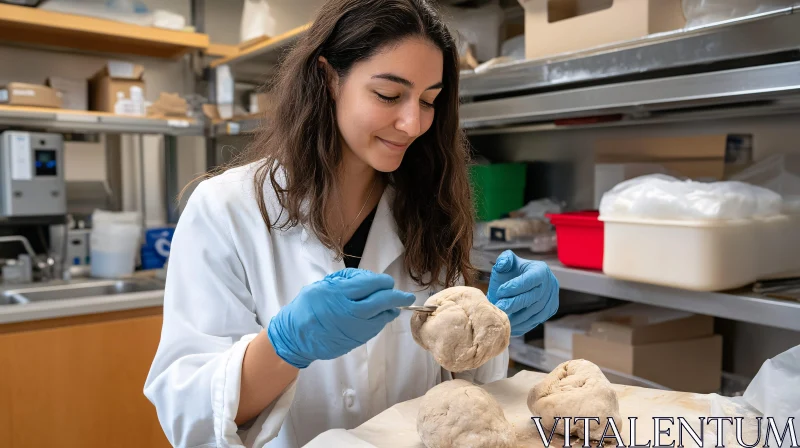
point(673, 348)
point(118, 87)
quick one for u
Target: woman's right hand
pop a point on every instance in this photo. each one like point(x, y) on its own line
point(333, 316)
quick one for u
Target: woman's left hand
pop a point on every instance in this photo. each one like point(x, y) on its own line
point(526, 290)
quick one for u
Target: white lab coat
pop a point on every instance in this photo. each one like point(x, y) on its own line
point(227, 277)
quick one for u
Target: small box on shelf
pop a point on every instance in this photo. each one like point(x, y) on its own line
point(74, 93)
point(119, 88)
point(563, 26)
point(24, 94)
point(674, 348)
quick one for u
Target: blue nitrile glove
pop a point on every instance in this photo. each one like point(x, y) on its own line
point(526, 290)
point(333, 316)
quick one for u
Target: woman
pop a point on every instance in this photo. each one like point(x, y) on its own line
point(285, 274)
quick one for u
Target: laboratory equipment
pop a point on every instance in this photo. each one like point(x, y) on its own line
point(31, 175)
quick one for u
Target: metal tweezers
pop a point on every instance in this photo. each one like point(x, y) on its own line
point(421, 308)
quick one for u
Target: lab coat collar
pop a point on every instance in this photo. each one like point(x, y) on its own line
point(382, 248)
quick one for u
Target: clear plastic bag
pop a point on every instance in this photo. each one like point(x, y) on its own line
point(779, 173)
point(705, 12)
point(658, 196)
point(775, 392)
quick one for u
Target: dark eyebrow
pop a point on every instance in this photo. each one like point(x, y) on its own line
point(403, 81)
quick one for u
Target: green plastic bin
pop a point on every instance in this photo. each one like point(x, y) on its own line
point(497, 189)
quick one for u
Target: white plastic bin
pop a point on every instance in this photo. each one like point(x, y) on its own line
point(113, 250)
point(694, 255)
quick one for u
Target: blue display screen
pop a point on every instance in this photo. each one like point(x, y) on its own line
point(46, 163)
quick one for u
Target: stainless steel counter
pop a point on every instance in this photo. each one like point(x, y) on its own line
point(73, 304)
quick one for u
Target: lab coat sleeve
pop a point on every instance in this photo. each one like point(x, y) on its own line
point(209, 320)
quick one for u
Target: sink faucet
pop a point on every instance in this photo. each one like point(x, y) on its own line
point(45, 264)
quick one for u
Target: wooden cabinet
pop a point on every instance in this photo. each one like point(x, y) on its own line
point(77, 382)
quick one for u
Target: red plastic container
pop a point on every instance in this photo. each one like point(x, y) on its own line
point(580, 239)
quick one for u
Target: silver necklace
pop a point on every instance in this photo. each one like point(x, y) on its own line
point(341, 215)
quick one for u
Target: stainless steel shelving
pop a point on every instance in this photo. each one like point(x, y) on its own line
point(681, 50)
point(778, 83)
point(742, 305)
point(714, 70)
point(88, 122)
point(236, 127)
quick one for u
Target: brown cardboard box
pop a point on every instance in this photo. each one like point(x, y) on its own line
point(119, 88)
point(169, 105)
point(74, 93)
point(691, 365)
point(22, 94)
point(637, 330)
point(695, 157)
point(562, 26)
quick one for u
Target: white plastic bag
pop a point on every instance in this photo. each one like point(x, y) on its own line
point(658, 196)
point(257, 20)
point(775, 392)
point(704, 12)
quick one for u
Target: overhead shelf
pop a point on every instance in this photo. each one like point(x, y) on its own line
point(222, 50)
point(20, 24)
point(82, 121)
point(741, 306)
point(237, 126)
point(255, 63)
point(775, 82)
point(729, 43)
point(267, 52)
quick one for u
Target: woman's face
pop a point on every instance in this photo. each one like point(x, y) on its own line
point(386, 101)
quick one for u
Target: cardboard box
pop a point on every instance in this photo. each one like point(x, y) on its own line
point(674, 348)
point(74, 93)
point(633, 329)
point(558, 334)
point(563, 26)
point(119, 88)
point(22, 94)
point(169, 105)
point(632, 323)
point(699, 157)
point(691, 365)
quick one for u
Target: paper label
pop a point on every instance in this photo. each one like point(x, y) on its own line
point(23, 92)
point(21, 164)
point(178, 123)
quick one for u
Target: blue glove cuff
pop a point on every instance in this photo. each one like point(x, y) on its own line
point(281, 346)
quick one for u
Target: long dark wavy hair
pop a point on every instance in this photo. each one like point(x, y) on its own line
point(299, 151)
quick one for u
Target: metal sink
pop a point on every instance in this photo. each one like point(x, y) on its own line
point(78, 290)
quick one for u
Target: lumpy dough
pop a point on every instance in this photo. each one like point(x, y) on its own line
point(575, 388)
point(464, 332)
point(459, 414)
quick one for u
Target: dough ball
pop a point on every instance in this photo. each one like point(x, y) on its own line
point(459, 414)
point(464, 332)
point(575, 388)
